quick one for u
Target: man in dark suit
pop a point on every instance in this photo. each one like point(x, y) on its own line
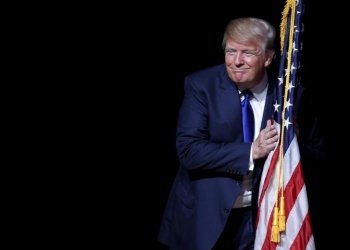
point(213, 200)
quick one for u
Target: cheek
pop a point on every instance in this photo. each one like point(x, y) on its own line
point(256, 63)
point(252, 61)
point(228, 60)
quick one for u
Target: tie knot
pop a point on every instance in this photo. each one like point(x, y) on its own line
point(247, 92)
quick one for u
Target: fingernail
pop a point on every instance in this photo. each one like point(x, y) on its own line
point(272, 121)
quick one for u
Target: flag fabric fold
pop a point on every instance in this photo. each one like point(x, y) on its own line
point(283, 219)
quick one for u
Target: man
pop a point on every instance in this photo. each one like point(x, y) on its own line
point(213, 201)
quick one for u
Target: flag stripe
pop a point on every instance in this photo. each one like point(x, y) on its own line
point(286, 164)
point(304, 237)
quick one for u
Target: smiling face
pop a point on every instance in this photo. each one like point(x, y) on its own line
point(246, 63)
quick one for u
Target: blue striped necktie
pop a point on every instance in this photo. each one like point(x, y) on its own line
point(247, 117)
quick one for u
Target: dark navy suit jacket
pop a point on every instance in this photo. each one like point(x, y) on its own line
point(213, 159)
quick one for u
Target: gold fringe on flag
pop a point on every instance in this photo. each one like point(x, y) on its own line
point(282, 216)
point(279, 219)
point(275, 232)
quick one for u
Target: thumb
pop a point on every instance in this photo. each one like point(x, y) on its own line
point(270, 122)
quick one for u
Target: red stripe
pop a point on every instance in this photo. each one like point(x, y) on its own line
point(268, 244)
point(291, 192)
point(293, 188)
point(304, 235)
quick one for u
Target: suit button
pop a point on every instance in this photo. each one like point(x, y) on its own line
point(226, 210)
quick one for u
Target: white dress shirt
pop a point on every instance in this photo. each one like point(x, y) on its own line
point(257, 101)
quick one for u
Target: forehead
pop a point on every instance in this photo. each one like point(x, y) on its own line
point(230, 43)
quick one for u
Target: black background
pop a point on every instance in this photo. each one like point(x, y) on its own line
point(146, 52)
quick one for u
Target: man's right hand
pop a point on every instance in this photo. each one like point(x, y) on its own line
point(266, 141)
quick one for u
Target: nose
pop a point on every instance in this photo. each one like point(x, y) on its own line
point(238, 59)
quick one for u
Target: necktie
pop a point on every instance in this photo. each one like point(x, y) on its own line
point(247, 117)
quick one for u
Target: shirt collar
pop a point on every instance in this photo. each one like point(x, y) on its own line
point(259, 91)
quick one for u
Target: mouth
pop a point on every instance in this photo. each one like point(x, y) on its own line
point(239, 70)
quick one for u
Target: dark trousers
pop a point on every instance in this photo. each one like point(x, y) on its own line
point(238, 233)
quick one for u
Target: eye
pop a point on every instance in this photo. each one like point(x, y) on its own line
point(230, 52)
point(249, 53)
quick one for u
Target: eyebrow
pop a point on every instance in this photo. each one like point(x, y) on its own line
point(244, 50)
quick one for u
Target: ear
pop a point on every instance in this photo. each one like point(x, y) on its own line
point(269, 57)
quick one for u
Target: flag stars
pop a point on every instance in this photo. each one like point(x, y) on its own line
point(288, 104)
point(287, 71)
point(293, 67)
point(280, 79)
point(294, 48)
point(287, 123)
point(276, 105)
point(290, 86)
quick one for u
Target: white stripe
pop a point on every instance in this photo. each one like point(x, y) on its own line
point(299, 209)
point(291, 160)
point(295, 219)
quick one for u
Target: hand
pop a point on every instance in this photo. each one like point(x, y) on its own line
point(266, 141)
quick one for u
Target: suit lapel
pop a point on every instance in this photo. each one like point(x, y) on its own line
point(229, 98)
point(268, 110)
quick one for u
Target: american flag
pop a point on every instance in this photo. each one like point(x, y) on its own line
point(283, 220)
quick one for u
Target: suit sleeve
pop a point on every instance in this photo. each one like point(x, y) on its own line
point(196, 148)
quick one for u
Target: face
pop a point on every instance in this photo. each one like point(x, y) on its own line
point(245, 63)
